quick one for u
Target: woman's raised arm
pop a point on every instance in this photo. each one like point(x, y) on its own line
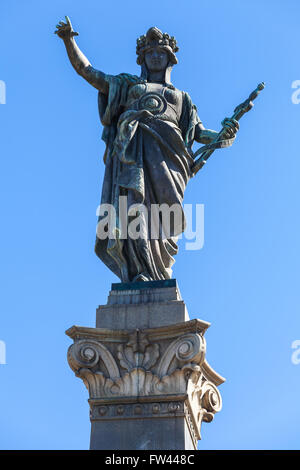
point(80, 63)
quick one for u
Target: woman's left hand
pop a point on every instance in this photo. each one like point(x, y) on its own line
point(231, 127)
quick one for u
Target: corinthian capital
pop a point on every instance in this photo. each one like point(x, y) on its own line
point(163, 367)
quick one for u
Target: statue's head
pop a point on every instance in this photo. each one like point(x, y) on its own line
point(156, 52)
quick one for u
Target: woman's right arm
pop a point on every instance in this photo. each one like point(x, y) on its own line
point(80, 63)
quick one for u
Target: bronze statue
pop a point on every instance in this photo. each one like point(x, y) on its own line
point(149, 130)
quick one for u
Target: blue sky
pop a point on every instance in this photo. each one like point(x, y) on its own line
point(245, 280)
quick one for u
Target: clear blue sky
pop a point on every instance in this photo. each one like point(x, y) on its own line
point(245, 280)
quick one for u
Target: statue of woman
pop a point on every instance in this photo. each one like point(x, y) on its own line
point(149, 130)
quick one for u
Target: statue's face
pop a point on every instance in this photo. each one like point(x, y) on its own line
point(156, 59)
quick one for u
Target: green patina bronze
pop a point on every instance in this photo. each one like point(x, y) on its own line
point(149, 130)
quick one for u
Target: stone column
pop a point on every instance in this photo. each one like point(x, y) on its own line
point(144, 365)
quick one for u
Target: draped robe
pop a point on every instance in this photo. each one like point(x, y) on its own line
point(148, 160)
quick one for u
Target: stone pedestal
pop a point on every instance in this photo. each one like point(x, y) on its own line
point(144, 365)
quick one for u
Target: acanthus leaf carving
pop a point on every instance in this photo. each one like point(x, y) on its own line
point(138, 352)
point(179, 370)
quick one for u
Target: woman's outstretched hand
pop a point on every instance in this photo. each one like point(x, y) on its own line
point(65, 30)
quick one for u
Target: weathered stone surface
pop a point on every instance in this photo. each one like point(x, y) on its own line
point(145, 384)
point(136, 305)
point(168, 432)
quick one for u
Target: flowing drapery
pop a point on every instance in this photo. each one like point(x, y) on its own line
point(147, 160)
